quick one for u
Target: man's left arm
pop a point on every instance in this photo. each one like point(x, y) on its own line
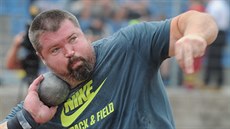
point(190, 34)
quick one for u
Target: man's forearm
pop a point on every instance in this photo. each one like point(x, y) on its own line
point(3, 125)
point(201, 24)
point(12, 61)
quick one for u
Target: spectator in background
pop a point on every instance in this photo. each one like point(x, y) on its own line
point(82, 10)
point(197, 5)
point(118, 19)
point(97, 29)
point(92, 17)
point(193, 80)
point(219, 9)
point(22, 56)
point(139, 6)
point(85, 18)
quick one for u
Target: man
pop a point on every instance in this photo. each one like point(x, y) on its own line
point(115, 82)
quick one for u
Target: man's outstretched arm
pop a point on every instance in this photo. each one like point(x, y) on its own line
point(190, 34)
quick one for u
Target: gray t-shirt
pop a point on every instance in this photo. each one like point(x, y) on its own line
point(125, 90)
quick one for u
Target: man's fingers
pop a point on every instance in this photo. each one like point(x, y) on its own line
point(53, 110)
point(184, 56)
point(178, 51)
point(179, 54)
point(35, 84)
point(187, 49)
point(188, 59)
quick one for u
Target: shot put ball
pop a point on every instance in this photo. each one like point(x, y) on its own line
point(52, 90)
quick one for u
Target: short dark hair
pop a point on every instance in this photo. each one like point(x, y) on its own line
point(48, 21)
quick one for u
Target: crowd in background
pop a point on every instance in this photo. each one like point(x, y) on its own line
point(101, 18)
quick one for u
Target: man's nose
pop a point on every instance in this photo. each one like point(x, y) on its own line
point(69, 51)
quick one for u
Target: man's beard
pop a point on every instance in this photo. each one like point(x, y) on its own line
point(83, 72)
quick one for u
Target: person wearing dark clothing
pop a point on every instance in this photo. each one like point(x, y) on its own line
point(23, 56)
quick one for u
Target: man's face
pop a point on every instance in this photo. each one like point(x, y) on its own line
point(67, 53)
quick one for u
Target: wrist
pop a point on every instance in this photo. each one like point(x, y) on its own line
point(13, 123)
point(22, 120)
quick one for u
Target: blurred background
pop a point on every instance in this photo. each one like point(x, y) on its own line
point(199, 100)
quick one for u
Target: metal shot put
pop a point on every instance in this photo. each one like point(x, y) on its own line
point(52, 90)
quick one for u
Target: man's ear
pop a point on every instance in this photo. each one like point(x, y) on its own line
point(41, 57)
